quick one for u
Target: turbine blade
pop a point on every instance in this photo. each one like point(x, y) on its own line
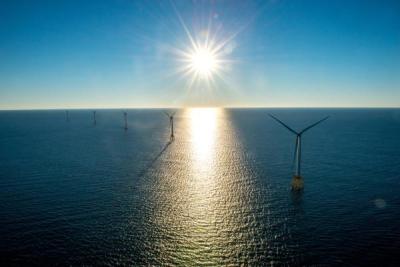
point(284, 125)
point(313, 125)
point(166, 113)
point(173, 114)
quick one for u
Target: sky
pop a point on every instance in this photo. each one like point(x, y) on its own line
point(134, 54)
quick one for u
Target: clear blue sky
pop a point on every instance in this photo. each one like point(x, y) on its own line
point(110, 54)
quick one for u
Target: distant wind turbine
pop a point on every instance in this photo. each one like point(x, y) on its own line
point(94, 117)
point(297, 182)
point(126, 121)
point(67, 115)
point(171, 123)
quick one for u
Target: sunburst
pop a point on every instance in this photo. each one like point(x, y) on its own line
point(205, 57)
point(203, 60)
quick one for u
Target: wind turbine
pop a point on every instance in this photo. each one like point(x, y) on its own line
point(297, 182)
point(171, 123)
point(67, 115)
point(94, 117)
point(126, 120)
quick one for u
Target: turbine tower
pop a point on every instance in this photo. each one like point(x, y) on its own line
point(126, 121)
point(94, 118)
point(171, 123)
point(67, 115)
point(297, 182)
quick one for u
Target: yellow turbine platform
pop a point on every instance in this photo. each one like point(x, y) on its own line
point(297, 183)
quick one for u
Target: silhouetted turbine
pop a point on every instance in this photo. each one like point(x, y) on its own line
point(297, 182)
point(67, 115)
point(126, 121)
point(94, 117)
point(171, 123)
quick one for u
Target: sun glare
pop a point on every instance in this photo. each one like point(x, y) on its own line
point(203, 133)
point(205, 59)
point(203, 62)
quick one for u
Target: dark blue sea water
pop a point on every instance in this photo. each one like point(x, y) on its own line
point(74, 193)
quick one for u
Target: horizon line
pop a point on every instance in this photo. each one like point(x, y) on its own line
point(188, 107)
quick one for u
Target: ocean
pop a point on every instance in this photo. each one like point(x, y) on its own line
point(75, 193)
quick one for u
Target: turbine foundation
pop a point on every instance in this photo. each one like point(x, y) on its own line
point(297, 183)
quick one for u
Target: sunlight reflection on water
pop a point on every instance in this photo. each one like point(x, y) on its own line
point(206, 208)
point(203, 130)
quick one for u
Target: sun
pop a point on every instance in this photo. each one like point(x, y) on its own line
point(203, 62)
point(204, 59)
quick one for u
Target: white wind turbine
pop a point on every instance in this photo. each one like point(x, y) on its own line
point(171, 123)
point(297, 182)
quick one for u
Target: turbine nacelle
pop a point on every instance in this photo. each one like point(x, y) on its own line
point(302, 131)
